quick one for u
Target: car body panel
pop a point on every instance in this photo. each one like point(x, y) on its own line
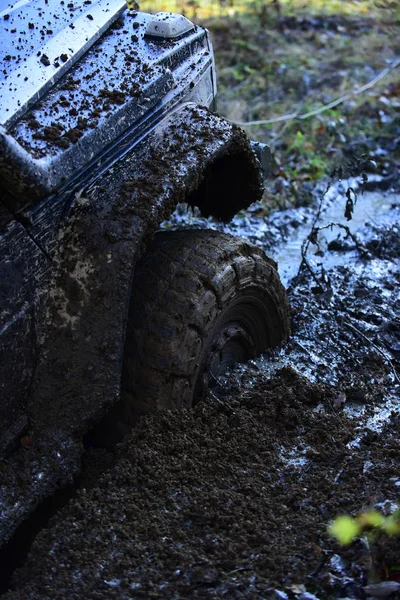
point(122, 80)
point(40, 41)
point(78, 373)
point(87, 174)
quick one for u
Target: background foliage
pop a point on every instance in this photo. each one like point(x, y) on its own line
point(278, 57)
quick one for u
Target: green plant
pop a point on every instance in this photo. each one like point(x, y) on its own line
point(318, 167)
point(298, 143)
point(345, 528)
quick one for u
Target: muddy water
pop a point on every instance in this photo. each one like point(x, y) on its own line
point(282, 235)
point(357, 288)
point(371, 207)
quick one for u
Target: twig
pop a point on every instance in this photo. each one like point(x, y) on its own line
point(341, 226)
point(296, 116)
point(338, 476)
point(287, 117)
point(306, 243)
point(381, 352)
point(278, 133)
point(304, 261)
point(303, 348)
point(312, 237)
point(217, 381)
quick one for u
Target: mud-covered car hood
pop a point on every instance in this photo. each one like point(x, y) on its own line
point(121, 85)
point(40, 41)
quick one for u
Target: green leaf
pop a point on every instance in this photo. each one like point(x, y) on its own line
point(372, 518)
point(240, 43)
point(344, 529)
point(237, 75)
point(391, 525)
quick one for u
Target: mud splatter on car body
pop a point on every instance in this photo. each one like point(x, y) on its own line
point(98, 142)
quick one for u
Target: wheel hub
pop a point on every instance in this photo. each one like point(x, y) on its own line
point(233, 345)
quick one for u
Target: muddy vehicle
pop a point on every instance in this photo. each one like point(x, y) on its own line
point(104, 128)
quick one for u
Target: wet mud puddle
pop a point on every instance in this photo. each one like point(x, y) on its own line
point(283, 234)
point(353, 309)
point(371, 207)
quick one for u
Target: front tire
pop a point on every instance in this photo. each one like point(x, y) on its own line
point(202, 301)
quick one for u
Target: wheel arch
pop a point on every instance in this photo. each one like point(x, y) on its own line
point(108, 228)
point(224, 186)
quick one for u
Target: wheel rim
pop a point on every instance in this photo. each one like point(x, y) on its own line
point(241, 333)
point(233, 346)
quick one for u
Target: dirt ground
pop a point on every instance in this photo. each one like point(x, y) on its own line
point(233, 499)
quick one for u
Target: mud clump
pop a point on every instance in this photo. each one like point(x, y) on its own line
point(229, 499)
point(115, 96)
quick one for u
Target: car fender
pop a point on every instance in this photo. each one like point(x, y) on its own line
point(107, 232)
point(83, 328)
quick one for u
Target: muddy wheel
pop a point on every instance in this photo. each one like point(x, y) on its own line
point(202, 301)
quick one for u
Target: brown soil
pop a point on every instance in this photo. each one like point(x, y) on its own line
point(232, 499)
point(207, 503)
